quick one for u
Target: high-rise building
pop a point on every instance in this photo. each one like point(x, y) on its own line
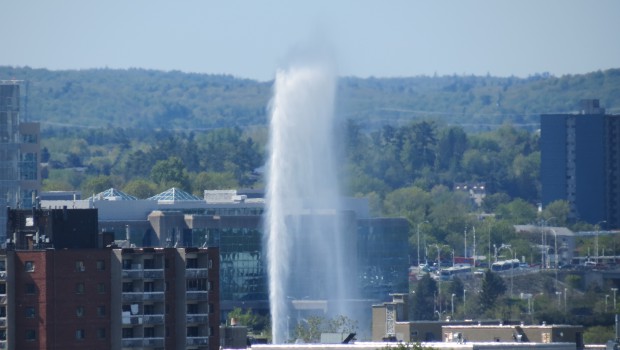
point(59, 295)
point(580, 163)
point(20, 176)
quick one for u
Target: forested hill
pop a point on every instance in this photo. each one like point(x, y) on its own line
point(155, 99)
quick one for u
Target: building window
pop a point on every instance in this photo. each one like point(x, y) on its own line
point(100, 265)
point(127, 264)
point(197, 284)
point(79, 266)
point(2, 288)
point(29, 312)
point(2, 311)
point(149, 332)
point(31, 288)
point(101, 288)
point(149, 286)
point(127, 287)
point(127, 333)
point(29, 266)
point(149, 309)
point(79, 288)
point(80, 334)
point(2, 334)
point(2, 265)
point(149, 264)
point(101, 310)
point(31, 335)
point(192, 331)
point(192, 309)
point(101, 333)
point(79, 311)
point(191, 263)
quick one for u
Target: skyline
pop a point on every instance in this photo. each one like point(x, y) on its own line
point(254, 39)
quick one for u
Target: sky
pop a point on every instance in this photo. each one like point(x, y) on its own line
point(254, 38)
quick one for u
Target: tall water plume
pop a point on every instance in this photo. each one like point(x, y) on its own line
point(304, 226)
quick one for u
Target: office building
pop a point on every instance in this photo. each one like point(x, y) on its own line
point(20, 175)
point(580, 163)
point(232, 221)
point(57, 295)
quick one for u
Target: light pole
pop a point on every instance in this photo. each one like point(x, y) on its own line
point(606, 297)
point(614, 290)
point(565, 292)
point(465, 233)
point(597, 228)
point(543, 224)
point(452, 304)
point(559, 294)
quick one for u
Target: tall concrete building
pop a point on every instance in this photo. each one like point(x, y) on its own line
point(63, 293)
point(580, 163)
point(20, 176)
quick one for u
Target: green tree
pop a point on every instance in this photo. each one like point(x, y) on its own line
point(424, 299)
point(213, 181)
point(493, 287)
point(256, 323)
point(517, 212)
point(309, 329)
point(140, 188)
point(169, 172)
point(96, 184)
point(558, 210)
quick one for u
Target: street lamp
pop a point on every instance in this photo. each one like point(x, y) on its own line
point(559, 294)
point(606, 297)
point(439, 246)
point(453, 295)
point(543, 224)
point(507, 246)
point(597, 228)
point(614, 290)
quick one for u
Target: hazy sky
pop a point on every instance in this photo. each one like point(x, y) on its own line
point(252, 39)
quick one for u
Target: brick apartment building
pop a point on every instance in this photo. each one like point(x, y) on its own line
point(85, 297)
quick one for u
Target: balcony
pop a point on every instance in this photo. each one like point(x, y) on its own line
point(2, 275)
point(154, 273)
point(153, 296)
point(143, 273)
point(142, 342)
point(197, 273)
point(153, 319)
point(3, 299)
point(142, 296)
point(194, 341)
point(2, 321)
point(197, 318)
point(132, 296)
point(131, 342)
point(3, 344)
point(197, 295)
point(153, 342)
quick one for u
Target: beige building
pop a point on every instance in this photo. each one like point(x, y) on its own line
point(390, 323)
